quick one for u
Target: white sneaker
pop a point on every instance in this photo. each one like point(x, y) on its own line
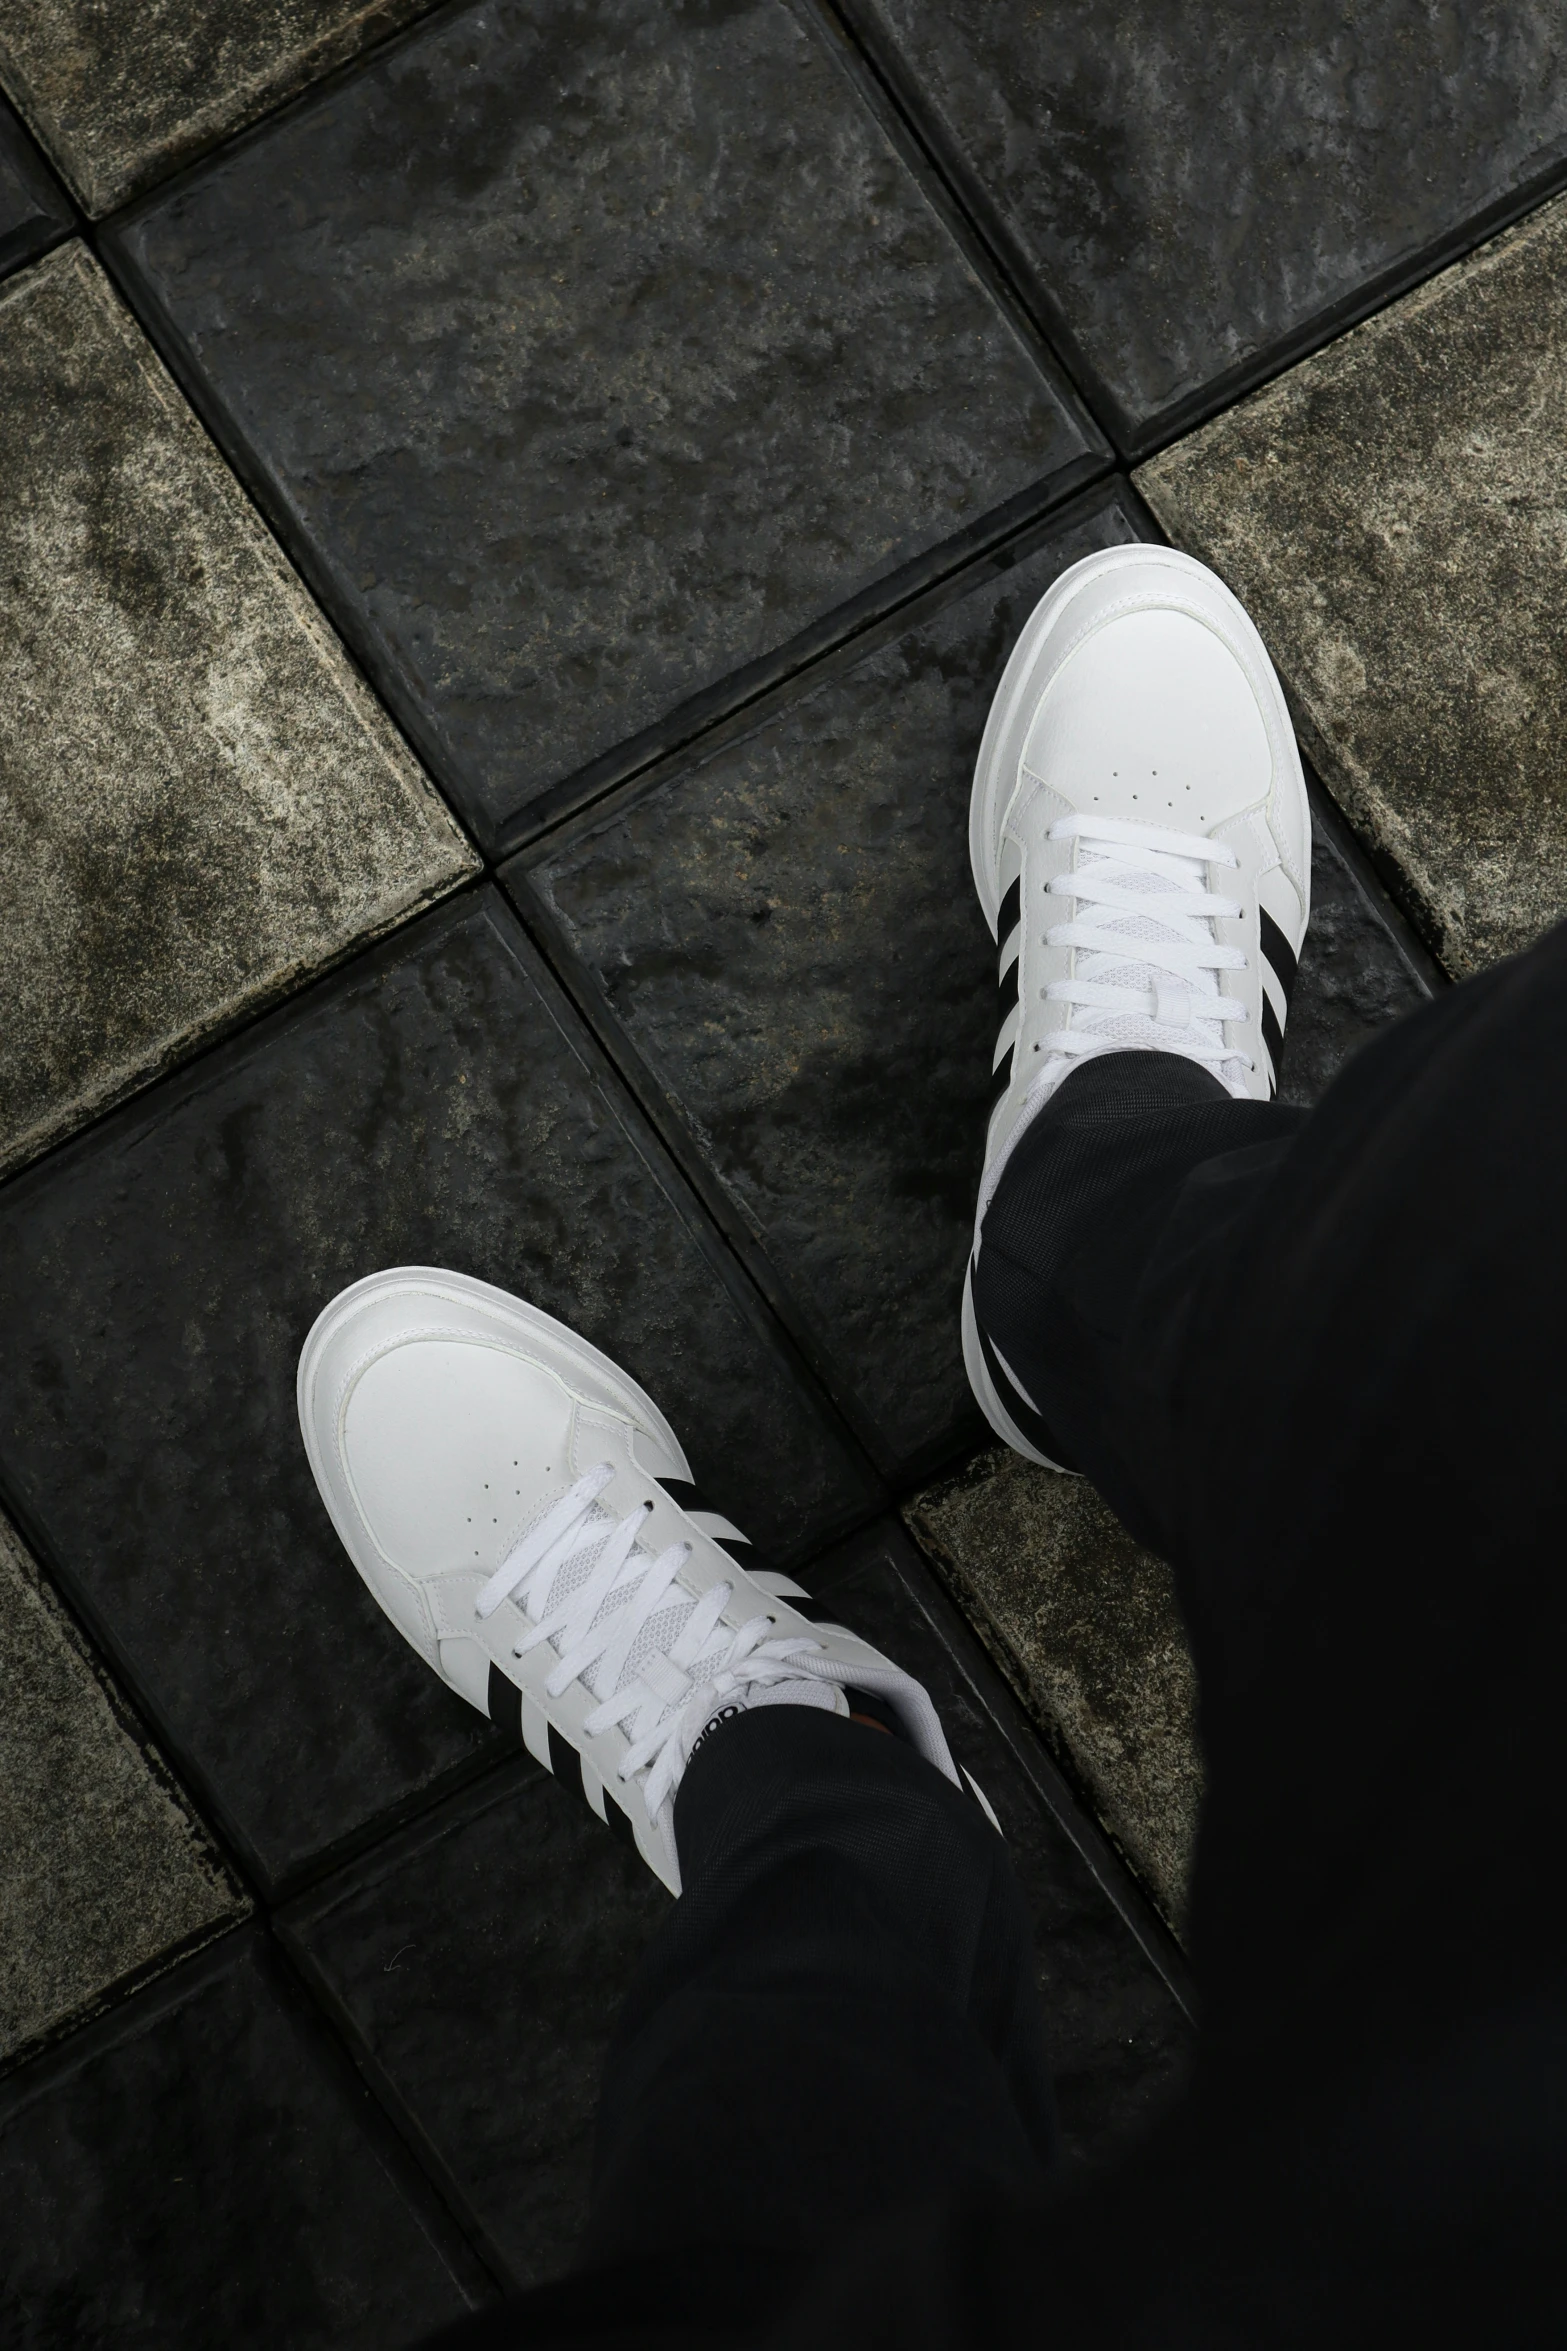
point(526, 1518)
point(1141, 844)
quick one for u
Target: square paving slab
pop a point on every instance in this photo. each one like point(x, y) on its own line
point(589, 354)
point(478, 1961)
point(105, 1872)
point(786, 936)
point(202, 2170)
point(1086, 1624)
point(33, 211)
point(120, 91)
point(199, 802)
point(1393, 513)
point(437, 1104)
point(1190, 190)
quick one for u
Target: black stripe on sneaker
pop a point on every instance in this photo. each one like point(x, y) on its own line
point(618, 1822)
point(1006, 989)
point(1277, 949)
point(1011, 909)
point(1272, 1036)
point(688, 1496)
point(565, 1762)
point(1002, 1079)
point(1022, 1414)
point(505, 1704)
point(737, 1547)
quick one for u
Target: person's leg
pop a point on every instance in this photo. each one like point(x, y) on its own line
point(1323, 1371)
point(840, 2016)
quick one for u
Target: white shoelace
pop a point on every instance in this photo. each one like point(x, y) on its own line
point(592, 1592)
point(1146, 962)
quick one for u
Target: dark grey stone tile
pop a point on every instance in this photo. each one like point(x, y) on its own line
point(1361, 965)
point(434, 1103)
point(786, 937)
point(33, 210)
point(105, 1872)
point(200, 802)
point(787, 934)
point(1115, 1992)
point(120, 91)
point(479, 1962)
point(1190, 189)
point(589, 355)
point(199, 2173)
point(1390, 512)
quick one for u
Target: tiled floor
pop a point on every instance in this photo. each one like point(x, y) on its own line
point(510, 517)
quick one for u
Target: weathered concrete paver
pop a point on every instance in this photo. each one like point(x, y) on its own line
point(200, 804)
point(1085, 1623)
point(122, 91)
point(103, 1868)
point(1393, 512)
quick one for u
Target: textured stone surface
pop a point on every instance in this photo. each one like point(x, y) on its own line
point(121, 91)
point(480, 1961)
point(1192, 186)
point(1393, 513)
point(33, 211)
point(1086, 1624)
point(199, 802)
point(435, 1104)
point(104, 1869)
point(1360, 967)
point(787, 934)
point(195, 2174)
point(532, 331)
point(492, 1945)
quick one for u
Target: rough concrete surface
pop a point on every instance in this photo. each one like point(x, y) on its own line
point(596, 349)
point(1086, 1625)
point(1192, 184)
point(1394, 513)
point(121, 91)
point(103, 1868)
point(199, 802)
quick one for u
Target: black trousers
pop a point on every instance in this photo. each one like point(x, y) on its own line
point(1319, 1361)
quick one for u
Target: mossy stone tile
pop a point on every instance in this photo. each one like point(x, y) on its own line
point(200, 803)
point(33, 211)
point(121, 91)
point(201, 2172)
point(1193, 187)
point(786, 935)
point(588, 354)
point(436, 1103)
point(1393, 512)
point(105, 1872)
point(1086, 1624)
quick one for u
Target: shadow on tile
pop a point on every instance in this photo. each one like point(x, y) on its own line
point(200, 2172)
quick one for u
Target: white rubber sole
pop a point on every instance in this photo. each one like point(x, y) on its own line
point(530, 1325)
point(1006, 729)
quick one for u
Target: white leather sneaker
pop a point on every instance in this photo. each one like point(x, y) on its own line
point(1141, 844)
point(525, 1516)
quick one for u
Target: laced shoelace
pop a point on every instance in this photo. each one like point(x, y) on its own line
point(1145, 950)
point(591, 1591)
